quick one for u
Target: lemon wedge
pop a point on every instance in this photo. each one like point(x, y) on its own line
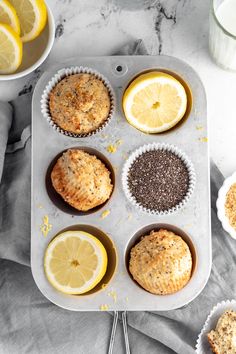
point(8, 16)
point(154, 102)
point(33, 17)
point(10, 50)
point(75, 262)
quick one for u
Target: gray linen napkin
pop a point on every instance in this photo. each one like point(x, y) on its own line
point(29, 323)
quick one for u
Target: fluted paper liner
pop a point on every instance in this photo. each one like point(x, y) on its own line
point(61, 74)
point(165, 147)
point(203, 346)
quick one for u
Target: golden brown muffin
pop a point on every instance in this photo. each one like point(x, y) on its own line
point(161, 262)
point(230, 205)
point(223, 338)
point(79, 103)
point(81, 179)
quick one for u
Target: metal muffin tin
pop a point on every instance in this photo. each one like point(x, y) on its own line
point(124, 222)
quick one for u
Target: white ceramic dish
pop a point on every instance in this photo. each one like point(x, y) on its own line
point(35, 52)
point(202, 346)
point(220, 204)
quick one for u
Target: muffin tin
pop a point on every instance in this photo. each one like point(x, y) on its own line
point(125, 224)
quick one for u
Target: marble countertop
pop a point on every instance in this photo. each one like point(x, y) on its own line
point(172, 27)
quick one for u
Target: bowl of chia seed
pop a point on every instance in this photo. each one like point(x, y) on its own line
point(158, 178)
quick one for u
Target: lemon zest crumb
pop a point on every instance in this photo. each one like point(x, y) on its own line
point(113, 294)
point(105, 213)
point(203, 139)
point(104, 307)
point(46, 226)
point(119, 142)
point(199, 127)
point(112, 148)
point(127, 299)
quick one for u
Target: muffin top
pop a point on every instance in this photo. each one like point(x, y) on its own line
point(230, 205)
point(79, 103)
point(222, 339)
point(81, 179)
point(161, 262)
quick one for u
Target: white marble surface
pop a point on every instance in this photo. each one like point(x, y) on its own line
point(172, 27)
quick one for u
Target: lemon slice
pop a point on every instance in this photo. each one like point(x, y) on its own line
point(154, 102)
point(32, 15)
point(75, 262)
point(10, 50)
point(8, 16)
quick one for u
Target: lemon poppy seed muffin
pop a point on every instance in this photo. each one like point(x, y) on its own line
point(223, 339)
point(161, 262)
point(81, 179)
point(79, 103)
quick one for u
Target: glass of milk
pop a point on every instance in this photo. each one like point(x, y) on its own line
point(222, 36)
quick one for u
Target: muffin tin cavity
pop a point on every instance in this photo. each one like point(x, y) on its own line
point(58, 201)
point(111, 255)
point(146, 230)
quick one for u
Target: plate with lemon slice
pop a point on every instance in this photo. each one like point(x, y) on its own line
point(27, 32)
point(153, 154)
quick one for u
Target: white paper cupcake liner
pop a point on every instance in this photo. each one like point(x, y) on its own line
point(203, 346)
point(61, 74)
point(220, 204)
point(151, 147)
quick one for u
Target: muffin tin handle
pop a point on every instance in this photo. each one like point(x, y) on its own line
point(125, 329)
point(113, 332)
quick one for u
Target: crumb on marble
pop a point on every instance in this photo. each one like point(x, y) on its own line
point(126, 299)
point(39, 206)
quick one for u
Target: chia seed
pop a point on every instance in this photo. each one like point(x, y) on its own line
point(158, 180)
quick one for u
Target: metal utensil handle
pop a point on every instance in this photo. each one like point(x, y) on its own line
point(125, 329)
point(113, 332)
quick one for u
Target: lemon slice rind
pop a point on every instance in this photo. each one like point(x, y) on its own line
point(99, 272)
point(8, 11)
point(7, 67)
point(39, 10)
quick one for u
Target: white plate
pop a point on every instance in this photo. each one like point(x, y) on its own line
point(220, 204)
point(203, 347)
